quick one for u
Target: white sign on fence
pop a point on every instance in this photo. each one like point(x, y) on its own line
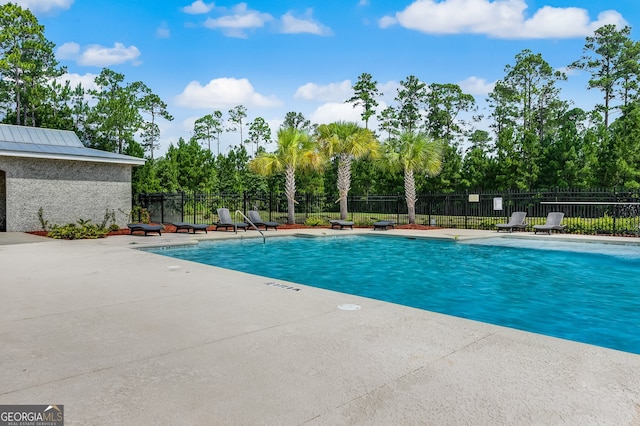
point(497, 203)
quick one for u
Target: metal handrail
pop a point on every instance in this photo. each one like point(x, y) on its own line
point(251, 223)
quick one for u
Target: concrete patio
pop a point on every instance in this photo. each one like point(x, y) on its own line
point(120, 336)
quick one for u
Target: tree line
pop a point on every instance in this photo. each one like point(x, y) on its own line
point(534, 138)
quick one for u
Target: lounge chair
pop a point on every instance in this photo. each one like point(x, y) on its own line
point(384, 224)
point(190, 226)
point(254, 217)
point(225, 221)
point(144, 227)
point(341, 223)
point(554, 223)
point(516, 221)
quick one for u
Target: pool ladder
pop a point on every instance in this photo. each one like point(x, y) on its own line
point(249, 222)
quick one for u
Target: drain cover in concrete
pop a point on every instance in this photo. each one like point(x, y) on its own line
point(349, 307)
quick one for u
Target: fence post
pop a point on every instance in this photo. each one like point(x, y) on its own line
point(398, 209)
point(146, 206)
point(615, 209)
point(140, 201)
point(270, 205)
point(195, 206)
point(244, 202)
point(162, 208)
point(466, 208)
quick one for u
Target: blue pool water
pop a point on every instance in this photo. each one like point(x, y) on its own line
point(584, 292)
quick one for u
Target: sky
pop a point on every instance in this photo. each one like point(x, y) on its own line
point(304, 56)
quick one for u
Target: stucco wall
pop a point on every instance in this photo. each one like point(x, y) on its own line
point(3, 209)
point(66, 191)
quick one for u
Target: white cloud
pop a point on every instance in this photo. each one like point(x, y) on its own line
point(476, 86)
point(189, 122)
point(568, 71)
point(163, 31)
point(41, 5)
point(329, 92)
point(68, 51)
point(96, 55)
point(498, 18)
point(608, 17)
point(224, 93)
point(241, 19)
point(334, 111)
point(198, 7)
point(293, 25)
point(274, 125)
point(87, 80)
point(101, 56)
point(389, 89)
point(387, 21)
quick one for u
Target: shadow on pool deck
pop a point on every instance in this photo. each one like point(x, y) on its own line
point(123, 336)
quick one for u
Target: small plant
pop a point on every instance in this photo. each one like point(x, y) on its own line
point(43, 222)
point(315, 221)
point(84, 222)
point(142, 213)
point(67, 232)
point(487, 224)
point(110, 216)
point(83, 229)
point(365, 222)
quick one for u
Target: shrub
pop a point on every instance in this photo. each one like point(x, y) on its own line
point(365, 222)
point(142, 213)
point(84, 229)
point(315, 221)
point(488, 224)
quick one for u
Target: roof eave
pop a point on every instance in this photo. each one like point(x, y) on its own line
point(133, 161)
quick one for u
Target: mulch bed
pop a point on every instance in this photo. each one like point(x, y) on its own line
point(171, 228)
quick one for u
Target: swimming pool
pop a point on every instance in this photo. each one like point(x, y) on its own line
point(584, 292)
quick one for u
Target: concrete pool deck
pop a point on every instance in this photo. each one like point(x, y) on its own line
point(121, 336)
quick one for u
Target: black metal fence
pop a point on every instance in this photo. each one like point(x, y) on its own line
point(593, 211)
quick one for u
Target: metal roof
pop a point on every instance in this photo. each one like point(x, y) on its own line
point(36, 142)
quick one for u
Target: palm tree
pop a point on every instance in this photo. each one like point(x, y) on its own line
point(412, 153)
point(295, 151)
point(346, 141)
